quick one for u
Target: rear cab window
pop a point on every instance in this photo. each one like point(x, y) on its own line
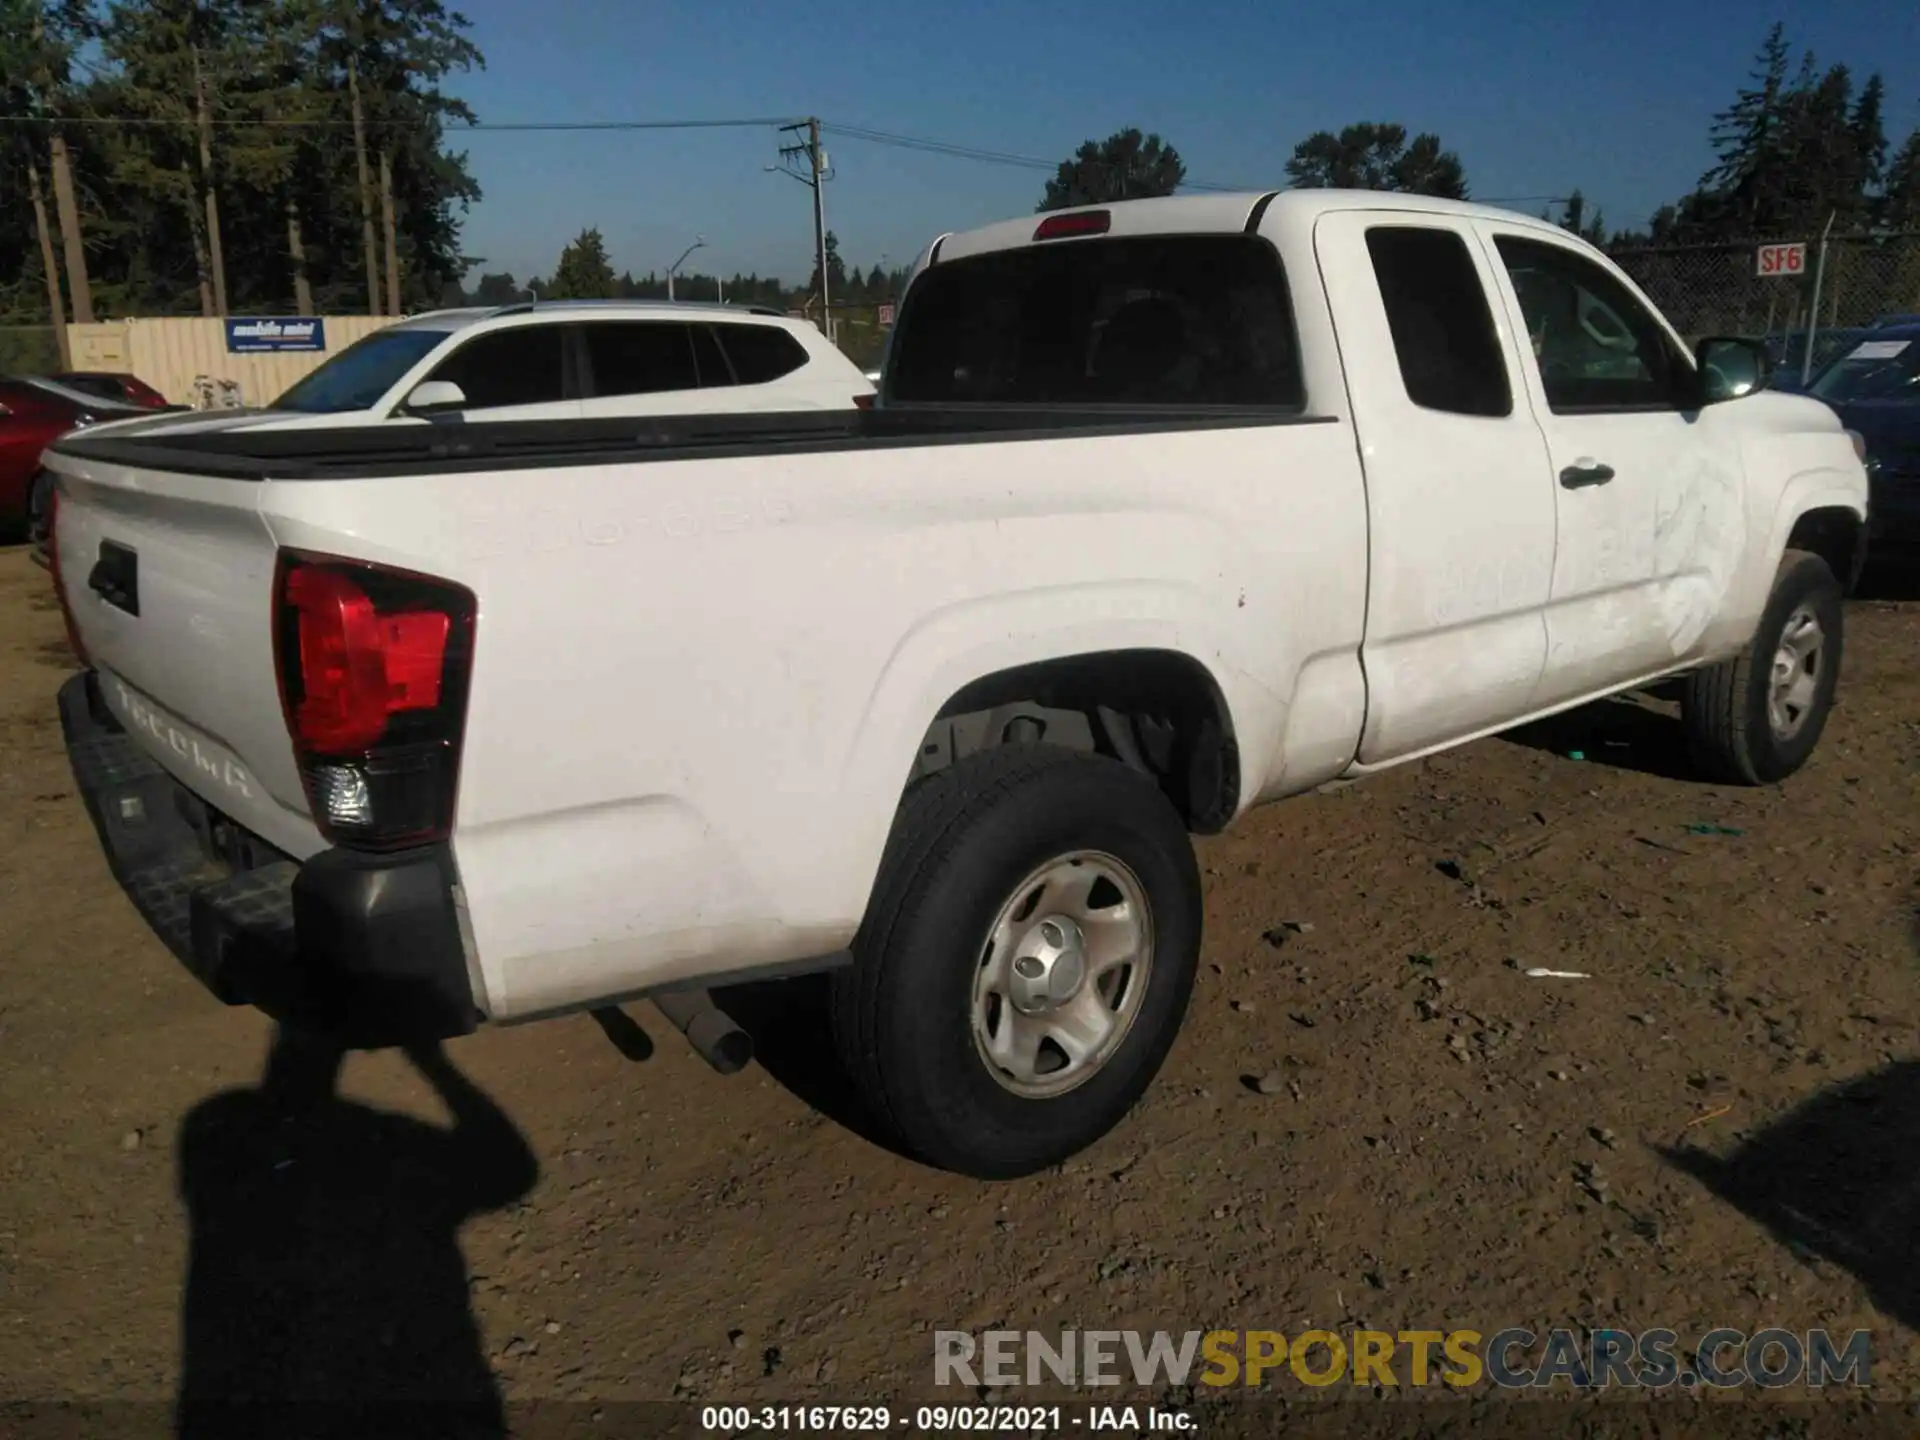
point(1442, 324)
point(1174, 320)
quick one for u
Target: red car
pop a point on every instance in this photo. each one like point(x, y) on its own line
point(33, 413)
point(125, 389)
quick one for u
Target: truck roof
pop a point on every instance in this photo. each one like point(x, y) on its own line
point(1205, 214)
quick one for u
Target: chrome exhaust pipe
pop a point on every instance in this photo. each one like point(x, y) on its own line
point(712, 1033)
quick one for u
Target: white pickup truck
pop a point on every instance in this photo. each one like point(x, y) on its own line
point(1167, 509)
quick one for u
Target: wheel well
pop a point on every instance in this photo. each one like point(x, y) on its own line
point(1832, 533)
point(1158, 711)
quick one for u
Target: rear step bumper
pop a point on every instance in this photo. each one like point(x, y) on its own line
point(363, 947)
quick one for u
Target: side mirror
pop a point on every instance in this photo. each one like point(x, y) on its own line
point(1731, 367)
point(431, 395)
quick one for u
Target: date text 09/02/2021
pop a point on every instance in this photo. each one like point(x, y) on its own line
point(944, 1419)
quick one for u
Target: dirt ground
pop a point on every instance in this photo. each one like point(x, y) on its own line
point(1734, 1067)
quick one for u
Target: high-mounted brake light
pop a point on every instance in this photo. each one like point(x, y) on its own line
point(373, 669)
point(1074, 223)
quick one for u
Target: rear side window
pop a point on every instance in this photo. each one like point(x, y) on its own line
point(641, 357)
point(1149, 320)
point(96, 385)
point(509, 367)
point(712, 365)
point(761, 353)
point(1442, 325)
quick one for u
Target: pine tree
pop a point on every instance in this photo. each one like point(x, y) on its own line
point(1867, 126)
point(583, 272)
point(1900, 205)
point(1745, 135)
point(1592, 228)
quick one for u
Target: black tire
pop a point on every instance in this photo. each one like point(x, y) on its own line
point(1725, 707)
point(39, 500)
point(961, 844)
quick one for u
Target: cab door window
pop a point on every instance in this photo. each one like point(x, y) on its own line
point(1597, 346)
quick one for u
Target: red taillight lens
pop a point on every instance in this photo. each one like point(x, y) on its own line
point(373, 675)
point(1072, 224)
point(358, 667)
point(863, 402)
point(52, 543)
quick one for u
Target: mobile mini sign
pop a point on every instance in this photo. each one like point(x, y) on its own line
point(1790, 259)
point(254, 336)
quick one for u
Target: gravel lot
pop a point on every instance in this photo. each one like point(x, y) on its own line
point(1716, 1127)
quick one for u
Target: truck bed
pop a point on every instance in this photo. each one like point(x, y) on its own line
point(361, 452)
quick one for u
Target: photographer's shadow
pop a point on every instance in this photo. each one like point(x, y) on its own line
point(326, 1290)
point(1838, 1178)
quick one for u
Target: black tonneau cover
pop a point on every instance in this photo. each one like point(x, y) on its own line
point(370, 451)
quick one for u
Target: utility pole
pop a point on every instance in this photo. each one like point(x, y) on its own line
point(215, 252)
point(66, 210)
point(297, 253)
point(815, 175)
point(366, 188)
point(392, 235)
point(43, 229)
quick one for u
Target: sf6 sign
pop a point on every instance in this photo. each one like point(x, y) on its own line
point(1781, 259)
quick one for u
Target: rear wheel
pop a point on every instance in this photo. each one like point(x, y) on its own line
point(39, 506)
point(1757, 718)
point(1026, 960)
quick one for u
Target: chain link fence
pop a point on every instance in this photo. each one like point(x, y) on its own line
point(859, 327)
point(860, 333)
point(1718, 290)
point(29, 350)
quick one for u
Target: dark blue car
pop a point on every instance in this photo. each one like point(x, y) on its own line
point(1789, 350)
point(1875, 388)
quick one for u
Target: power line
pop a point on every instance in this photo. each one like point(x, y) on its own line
point(1034, 162)
point(920, 144)
point(451, 126)
point(995, 157)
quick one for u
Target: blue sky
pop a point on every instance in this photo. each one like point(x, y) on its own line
point(1536, 97)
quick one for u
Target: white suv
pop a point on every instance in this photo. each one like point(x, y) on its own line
point(564, 360)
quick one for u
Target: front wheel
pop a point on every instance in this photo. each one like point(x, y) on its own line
point(1025, 962)
point(1756, 719)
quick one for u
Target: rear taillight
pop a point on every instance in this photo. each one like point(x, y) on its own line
point(863, 402)
point(373, 665)
point(52, 542)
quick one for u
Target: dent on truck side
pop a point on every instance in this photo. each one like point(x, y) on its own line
point(1809, 491)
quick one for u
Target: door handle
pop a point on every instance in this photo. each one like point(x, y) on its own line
point(1584, 473)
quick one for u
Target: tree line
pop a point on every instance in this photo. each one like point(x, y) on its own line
point(1800, 143)
point(584, 271)
point(222, 156)
point(225, 156)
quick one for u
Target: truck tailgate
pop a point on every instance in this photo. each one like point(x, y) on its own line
point(169, 580)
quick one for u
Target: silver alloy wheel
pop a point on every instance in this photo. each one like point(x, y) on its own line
point(1063, 974)
point(1796, 673)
